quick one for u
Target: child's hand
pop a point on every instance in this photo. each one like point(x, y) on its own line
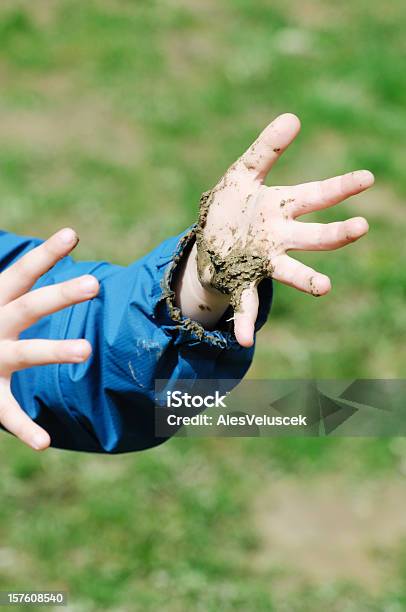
point(19, 310)
point(246, 228)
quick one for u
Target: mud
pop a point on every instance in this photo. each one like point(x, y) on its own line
point(233, 273)
point(313, 289)
point(169, 295)
point(284, 202)
point(188, 324)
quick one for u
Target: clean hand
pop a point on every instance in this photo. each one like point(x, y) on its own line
point(19, 309)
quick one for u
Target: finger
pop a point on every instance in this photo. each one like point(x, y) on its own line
point(245, 317)
point(296, 274)
point(21, 354)
point(29, 308)
point(21, 276)
point(270, 144)
point(326, 236)
point(18, 423)
point(322, 194)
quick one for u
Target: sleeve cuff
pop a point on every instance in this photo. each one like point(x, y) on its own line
point(170, 317)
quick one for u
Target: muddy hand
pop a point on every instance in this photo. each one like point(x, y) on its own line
point(21, 308)
point(247, 228)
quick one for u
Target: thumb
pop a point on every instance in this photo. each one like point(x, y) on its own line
point(245, 317)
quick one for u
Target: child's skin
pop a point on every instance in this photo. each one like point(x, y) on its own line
point(19, 310)
point(244, 215)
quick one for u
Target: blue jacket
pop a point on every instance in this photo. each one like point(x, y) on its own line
point(106, 404)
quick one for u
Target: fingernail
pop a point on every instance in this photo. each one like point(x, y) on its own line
point(89, 285)
point(39, 441)
point(78, 351)
point(68, 236)
point(368, 175)
point(358, 227)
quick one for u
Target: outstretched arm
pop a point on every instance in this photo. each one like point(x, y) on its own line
point(106, 403)
point(167, 315)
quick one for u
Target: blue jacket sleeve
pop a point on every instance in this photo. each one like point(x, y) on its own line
point(137, 335)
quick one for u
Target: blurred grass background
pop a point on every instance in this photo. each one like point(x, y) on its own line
point(114, 117)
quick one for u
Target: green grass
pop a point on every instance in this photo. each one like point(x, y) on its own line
point(116, 116)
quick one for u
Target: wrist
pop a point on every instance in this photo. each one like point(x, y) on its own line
point(196, 300)
point(202, 289)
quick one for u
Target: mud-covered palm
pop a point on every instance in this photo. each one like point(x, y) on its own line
point(246, 228)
